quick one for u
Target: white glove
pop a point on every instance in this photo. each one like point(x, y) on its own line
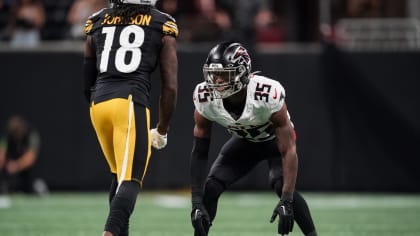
point(158, 141)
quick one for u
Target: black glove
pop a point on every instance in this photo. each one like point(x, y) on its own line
point(284, 210)
point(200, 219)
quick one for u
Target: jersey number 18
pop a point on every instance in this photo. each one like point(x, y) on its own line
point(125, 46)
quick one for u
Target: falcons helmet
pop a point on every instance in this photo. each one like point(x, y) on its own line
point(227, 69)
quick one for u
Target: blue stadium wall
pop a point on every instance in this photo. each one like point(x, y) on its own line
point(357, 117)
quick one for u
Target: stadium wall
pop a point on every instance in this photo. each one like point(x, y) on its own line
point(356, 114)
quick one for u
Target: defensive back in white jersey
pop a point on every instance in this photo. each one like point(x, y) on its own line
point(265, 96)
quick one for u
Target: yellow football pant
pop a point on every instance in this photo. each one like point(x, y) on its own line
point(122, 128)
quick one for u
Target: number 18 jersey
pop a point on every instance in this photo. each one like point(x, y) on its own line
point(264, 97)
point(127, 53)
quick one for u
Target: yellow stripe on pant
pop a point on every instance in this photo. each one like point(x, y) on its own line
point(122, 129)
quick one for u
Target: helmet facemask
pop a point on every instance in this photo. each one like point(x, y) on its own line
point(227, 69)
point(223, 82)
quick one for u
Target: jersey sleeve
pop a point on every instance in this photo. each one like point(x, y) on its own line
point(201, 98)
point(277, 97)
point(166, 24)
point(90, 25)
point(170, 28)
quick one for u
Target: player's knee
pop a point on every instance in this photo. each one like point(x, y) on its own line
point(213, 189)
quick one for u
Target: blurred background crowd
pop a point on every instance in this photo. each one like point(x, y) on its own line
point(28, 22)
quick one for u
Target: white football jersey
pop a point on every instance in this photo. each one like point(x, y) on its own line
point(264, 97)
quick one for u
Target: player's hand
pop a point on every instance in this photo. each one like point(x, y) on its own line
point(159, 141)
point(200, 219)
point(284, 210)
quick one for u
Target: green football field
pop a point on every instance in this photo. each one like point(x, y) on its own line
point(240, 213)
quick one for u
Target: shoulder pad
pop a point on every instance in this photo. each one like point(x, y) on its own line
point(203, 101)
point(201, 93)
point(169, 25)
point(170, 28)
point(88, 28)
point(269, 92)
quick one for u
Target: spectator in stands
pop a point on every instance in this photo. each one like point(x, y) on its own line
point(170, 7)
point(5, 4)
point(225, 20)
point(27, 18)
point(4, 13)
point(242, 16)
point(365, 8)
point(18, 154)
point(202, 21)
point(268, 27)
point(79, 11)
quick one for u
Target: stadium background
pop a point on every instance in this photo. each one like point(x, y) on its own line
point(356, 115)
point(356, 110)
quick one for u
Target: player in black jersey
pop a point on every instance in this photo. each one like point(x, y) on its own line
point(124, 45)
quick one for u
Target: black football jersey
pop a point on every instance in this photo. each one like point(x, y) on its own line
point(127, 53)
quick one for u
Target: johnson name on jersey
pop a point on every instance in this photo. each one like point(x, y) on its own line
point(264, 97)
point(155, 18)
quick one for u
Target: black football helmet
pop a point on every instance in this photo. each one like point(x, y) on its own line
point(227, 69)
point(139, 2)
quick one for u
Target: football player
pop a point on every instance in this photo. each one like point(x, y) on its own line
point(253, 109)
point(124, 45)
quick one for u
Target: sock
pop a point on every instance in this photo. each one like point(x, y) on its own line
point(112, 188)
point(122, 205)
point(302, 215)
point(212, 191)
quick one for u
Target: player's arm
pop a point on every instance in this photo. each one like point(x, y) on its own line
point(287, 146)
point(199, 155)
point(200, 218)
point(169, 87)
point(89, 68)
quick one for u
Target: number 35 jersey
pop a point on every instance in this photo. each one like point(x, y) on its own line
point(127, 52)
point(264, 97)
